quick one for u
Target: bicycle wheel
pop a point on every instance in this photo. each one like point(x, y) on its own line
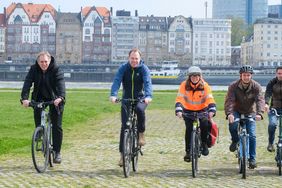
point(50, 145)
point(126, 153)
point(135, 151)
point(244, 157)
point(279, 158)
point(194, 152)
point(40, 150)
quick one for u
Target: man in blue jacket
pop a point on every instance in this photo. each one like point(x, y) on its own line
point(137, 84)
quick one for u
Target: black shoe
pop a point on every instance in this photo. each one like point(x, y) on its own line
point(57, 158)
point(233, 146)
point(205, 150)
point(270, 148)
point(187, 157)
point(252, 164)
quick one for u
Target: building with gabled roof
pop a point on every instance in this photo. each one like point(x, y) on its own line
point(2, 36)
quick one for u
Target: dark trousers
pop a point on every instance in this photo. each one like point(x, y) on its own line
point(56, 120)
point(204, 127)
point(140, 111)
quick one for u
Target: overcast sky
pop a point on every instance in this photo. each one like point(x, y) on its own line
point(194, 8)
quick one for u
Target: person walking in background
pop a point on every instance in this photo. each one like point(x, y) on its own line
point(273, 99)
point(195, 95)
point(244, 96)
point(48, 84)
point(137, 84)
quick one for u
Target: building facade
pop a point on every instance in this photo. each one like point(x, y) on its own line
point(275, 11)
point(69, 38)
point(153, 39)
point(248, 10)
point(2, 37)
point(211, 42)
point(267, 43)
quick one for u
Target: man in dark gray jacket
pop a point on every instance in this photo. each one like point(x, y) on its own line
point(48, 84)
point(244, 96)
point(273, 99)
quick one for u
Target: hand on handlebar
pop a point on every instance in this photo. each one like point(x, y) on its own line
point(113, 99)
point(147, 100)
point(230, 118)
point(179, 114)
point(25, 103)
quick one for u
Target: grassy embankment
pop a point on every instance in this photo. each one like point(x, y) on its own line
point(16, 123)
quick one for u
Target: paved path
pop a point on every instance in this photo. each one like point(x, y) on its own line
point(90, 156)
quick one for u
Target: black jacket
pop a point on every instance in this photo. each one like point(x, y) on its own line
point(273, 93)
point(54, 81)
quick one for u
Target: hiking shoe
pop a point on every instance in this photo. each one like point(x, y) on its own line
point(233, 146)
point(252, 164)
point(205, 149)
point(270, 148)
point(141, 141)
point(57, 158)
point(187, 157)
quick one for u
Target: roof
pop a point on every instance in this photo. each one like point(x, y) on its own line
point(102, 11)
point(34, 11)
point(268, 21)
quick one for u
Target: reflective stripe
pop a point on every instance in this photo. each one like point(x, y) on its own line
point(178, 108)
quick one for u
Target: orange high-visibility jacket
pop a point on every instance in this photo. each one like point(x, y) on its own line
point(196, 99)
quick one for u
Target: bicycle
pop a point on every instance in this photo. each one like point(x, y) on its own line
point(131, 149)
point(243, 149)
point(196, 142)
point(278, 156)
point(42, 146)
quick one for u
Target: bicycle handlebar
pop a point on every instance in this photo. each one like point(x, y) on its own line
point(129, 100)
point(195, 114)
point(245, 117)
point(274, 111)
point(41, 105)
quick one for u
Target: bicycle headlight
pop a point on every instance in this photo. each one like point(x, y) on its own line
point(279, 144)
point(128, 123)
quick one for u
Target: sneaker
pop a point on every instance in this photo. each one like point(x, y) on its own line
point(233, 146)
point(141, 141)
point(120, 163)
point(187, 157)
point(270, 148)
point(57, 158)
point(205, 149)
point(252, 164)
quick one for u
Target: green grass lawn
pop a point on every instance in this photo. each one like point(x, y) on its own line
point(16, 122)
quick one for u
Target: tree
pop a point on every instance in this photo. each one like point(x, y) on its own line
point(238, 30)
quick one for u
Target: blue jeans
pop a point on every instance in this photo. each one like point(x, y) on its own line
point(251, 130)
point(272, 124)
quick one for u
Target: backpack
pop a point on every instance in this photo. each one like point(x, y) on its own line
point(212, 134)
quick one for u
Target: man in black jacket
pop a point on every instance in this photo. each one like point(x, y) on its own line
point(273, 99)
point(48, 84)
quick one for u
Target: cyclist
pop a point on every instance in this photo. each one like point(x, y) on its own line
point(136, 81)
point(244, 96)
point(195, 95)
point(48, 84)
point(273, 95)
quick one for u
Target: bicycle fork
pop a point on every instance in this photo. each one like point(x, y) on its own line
point(242, 135)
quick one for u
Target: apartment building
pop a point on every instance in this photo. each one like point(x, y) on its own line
point(2, 37)
point(153, 39)
point(247, 50)
point(69, 38)
point(211, 42)
point(31, 28)
point(267, 42)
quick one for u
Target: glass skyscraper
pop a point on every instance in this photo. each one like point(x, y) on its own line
point(248, 10)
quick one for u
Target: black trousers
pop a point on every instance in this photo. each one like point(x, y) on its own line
point(204, 127)
point(56, 120)
point(140, 111)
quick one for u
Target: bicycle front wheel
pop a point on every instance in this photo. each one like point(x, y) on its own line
point(244, 157)
point(126, 153)
point(194, 152)
point(40, 149)
point(279, 158)
point(135, 151)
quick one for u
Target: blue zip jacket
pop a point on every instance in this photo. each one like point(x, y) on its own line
point(136, 82)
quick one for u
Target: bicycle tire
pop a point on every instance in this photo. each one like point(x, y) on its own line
point(279, 158)
point(50, 145)
point(135, 150)
point(40, 150)
point(126, 154)
point(244, 156)
point(194, 153)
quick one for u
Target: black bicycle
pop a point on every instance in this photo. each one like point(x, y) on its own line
point(243, 148)
point(131, 149)
point(278, 156)
point(196, 142)
point(42, 146)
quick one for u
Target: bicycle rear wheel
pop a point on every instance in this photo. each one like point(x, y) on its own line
point(40, 149)
point(244, 157)
point(126, 153)
point(279, 158)
point(194, 152)
point(135, 151)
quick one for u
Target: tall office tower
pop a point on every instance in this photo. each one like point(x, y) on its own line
point(248, 10)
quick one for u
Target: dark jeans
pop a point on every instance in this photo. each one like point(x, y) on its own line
point(140, 111)
point(56, 120)
point(204, 126)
